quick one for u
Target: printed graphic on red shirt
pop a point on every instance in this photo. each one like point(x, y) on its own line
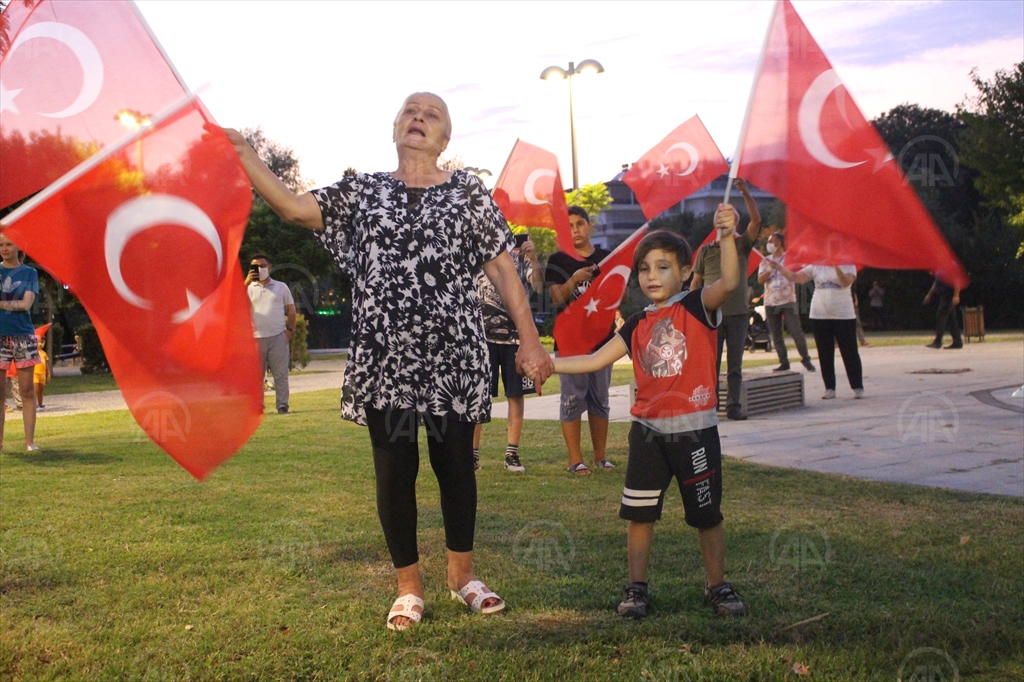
point(665, 352)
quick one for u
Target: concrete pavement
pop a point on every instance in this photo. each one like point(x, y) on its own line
point(940, 418)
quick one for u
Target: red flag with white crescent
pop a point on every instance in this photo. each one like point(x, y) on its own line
point(686, 160)
point(588, 320)
point(73, 74)
point(529, 192)
point(148, 241)
point(807, 143)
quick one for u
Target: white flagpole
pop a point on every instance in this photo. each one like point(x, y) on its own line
point(750, 103)
point(163, 52)
point(95, 160)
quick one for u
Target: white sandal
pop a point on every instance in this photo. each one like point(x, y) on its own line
point(482, 594)
point(403, 606)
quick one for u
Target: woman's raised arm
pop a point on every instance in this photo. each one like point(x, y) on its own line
point(297, 209)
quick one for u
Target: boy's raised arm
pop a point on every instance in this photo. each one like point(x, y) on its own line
point(716, 294)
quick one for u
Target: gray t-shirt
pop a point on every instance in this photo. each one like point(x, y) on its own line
point(709, 266)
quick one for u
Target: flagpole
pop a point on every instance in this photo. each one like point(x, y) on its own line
point(501, 175)
point(159, 47)
point(624, 242)
point(96, 159)
point(735, 166)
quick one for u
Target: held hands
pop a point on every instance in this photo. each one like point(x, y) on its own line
point(533, 361)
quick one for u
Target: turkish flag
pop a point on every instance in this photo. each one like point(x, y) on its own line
point(529, 193)
point(587, 320)
point(148, 241)
point(686, 160)
point(69, 70)
point(809, 144)
point(753, 262)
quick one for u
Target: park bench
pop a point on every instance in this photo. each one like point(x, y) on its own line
point(68, 352)
point(761, 393)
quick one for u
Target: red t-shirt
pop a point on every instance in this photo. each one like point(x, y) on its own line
point(674, 350)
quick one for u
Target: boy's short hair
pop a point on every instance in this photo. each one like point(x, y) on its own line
point(580, 211)
point(666, 241)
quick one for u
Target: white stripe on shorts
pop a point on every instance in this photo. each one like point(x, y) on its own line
point(641, 493)
point(630, 502)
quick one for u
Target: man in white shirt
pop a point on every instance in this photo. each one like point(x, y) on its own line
point(273, 314)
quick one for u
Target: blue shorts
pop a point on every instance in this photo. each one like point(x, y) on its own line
point(585, 393)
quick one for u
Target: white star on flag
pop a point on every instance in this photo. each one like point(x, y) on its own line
point(591, 307)
point(7, 99)
point(663, 171)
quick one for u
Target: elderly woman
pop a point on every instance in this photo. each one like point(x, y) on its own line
point(413, 241)
point(780, 304)
point(835, 322)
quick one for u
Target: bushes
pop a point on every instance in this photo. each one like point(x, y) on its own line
point(299, 347)
point(94, 361)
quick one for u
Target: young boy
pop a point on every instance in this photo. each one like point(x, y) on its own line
point(40, 377)
point(675, 425)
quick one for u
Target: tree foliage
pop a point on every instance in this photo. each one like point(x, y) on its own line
point(993, 141)
point(280, 159)
point(592, 198)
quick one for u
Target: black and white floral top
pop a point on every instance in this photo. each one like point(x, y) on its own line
point(413, 258)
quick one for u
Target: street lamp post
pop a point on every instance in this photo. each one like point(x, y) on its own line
point(587, 65)
point(133, 120)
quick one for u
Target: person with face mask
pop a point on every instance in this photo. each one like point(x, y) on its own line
point(780, 304)
point(273, 314)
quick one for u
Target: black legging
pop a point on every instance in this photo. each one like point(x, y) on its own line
point(396, 460)
point(828, 333)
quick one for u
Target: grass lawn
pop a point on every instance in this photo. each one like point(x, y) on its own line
point(116, 565)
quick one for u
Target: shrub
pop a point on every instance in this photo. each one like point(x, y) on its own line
point(94, 361)
point(299, 344)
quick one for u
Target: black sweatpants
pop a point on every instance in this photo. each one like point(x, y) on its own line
point(828, 333)
point(396, 461)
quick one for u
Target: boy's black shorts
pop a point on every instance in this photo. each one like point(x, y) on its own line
point(503, 358)
point(693, 457)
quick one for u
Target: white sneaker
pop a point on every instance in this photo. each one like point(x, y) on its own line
point(830, 394)
point(858, 393)
point(32, 448)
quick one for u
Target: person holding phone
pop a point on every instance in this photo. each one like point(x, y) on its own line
point(568, 277)
point(273, 315)
point(503, 345)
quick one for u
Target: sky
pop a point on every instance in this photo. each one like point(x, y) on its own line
point(327, 78)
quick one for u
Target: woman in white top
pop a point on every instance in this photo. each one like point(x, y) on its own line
point(835, 321)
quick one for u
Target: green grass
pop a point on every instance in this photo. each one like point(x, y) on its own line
point(116, 565)
point(80, 383)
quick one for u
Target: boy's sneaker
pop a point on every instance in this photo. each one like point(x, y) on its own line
point(512, 462)
point(724, 600)
point(636, 601)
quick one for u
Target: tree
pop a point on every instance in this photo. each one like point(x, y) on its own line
point(309, 270)
point(993, 140)
point(592, 198)
point(451, 163)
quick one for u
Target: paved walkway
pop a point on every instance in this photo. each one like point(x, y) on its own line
point(924, 421)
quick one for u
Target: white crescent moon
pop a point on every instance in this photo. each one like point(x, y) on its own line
point(531, 180)
point(142, 213)
point(622, 271)
point(809, 120)
point(691, 150)
point(86, 53)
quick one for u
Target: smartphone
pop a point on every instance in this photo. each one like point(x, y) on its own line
point(254, 269)
point(521, 239)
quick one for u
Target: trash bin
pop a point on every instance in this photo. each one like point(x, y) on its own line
point(974, 322)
